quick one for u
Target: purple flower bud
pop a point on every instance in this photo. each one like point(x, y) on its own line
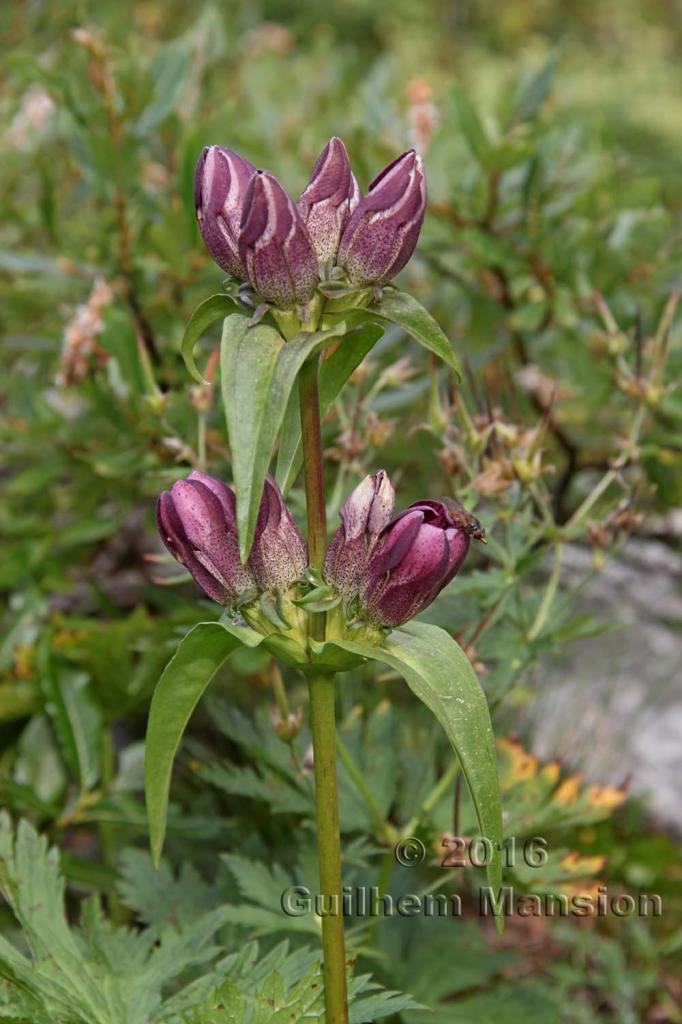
point(197, 523)
point(279, 555)
point(418, 553)
point(220, 184)
point(274, 245)
point(382, 232)
point(329, 199)
point(364, 515)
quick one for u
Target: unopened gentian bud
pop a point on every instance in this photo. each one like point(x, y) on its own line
point(364, 515)
point(274, 245)
point(382, 232)
point(220, 183)
point(329, 199)
point(197, 523)
point(418, 553)
point(279, 556)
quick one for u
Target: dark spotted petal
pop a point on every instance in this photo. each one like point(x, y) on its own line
point(325, 205)
point(274, 245)
point(196, 523)
point(279, 555)
point(364, 515)
point(382, 232)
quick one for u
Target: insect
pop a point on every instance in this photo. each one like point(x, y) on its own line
point(464, 520)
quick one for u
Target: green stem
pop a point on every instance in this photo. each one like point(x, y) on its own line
point(321, 688)
point(434, 797)
point(280, 694)
point(383, 827)
point(107, 830)
point(612, 474)
point(201, 439)
point(313, 469)
point(549, 595)
point(383, 883)
point(322, 715)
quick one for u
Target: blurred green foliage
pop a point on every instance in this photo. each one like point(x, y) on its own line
point(550, 254)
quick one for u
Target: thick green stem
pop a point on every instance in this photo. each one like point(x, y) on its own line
point(322, 716)
point(329, 847)
point(313, 468)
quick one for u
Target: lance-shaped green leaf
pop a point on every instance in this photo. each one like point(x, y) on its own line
point(438, 671)
point(207, 313)
point(334, 372)
point(197, 659)
point(401, 309)
point(535, 90)
point(75, 717)
point(258, 371)
point(471, 127)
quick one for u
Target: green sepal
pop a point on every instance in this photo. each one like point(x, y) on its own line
point(341, 297)
point(324, 605)
point(330, 657)
point(271, 606)
point(286, 649)
point(319, 599)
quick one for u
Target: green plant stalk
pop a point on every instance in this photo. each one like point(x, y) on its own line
point(313, 469)
point(432, 799)
point(612, 475)
point(388, 862)
point(592, 498)
point(322, 719)
point(549, 595)
point(383, 882)
point(279, 693)
point(322, 716)
point(385, 830)
point(107, 830)
point(201, 440)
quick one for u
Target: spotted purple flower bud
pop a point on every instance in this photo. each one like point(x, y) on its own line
point(274, 245)
point(382, 232)
point(329, 199)
point(220, 183)
point(197, 523)
point(364, 515)
point(279, 555)
point(418, 553)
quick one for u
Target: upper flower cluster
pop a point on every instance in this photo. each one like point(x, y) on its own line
point(254, 230)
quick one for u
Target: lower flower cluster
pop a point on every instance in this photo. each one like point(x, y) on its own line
point(381, 569)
